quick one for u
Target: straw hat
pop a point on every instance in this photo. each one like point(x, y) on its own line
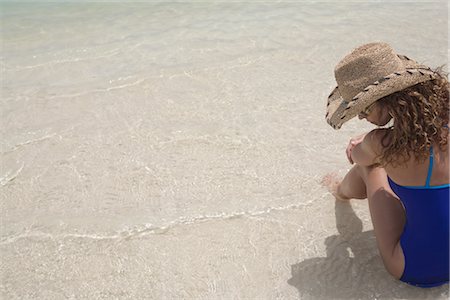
point(367, 74)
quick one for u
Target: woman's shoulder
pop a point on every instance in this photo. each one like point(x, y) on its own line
point(379, 139)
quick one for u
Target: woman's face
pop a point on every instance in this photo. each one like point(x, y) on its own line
point(377, 115)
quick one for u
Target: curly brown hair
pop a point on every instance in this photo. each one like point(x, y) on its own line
point(421, 115)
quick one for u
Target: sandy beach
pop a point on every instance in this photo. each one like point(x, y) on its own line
point(176, 150)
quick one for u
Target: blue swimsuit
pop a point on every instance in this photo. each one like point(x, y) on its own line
point(425, 238)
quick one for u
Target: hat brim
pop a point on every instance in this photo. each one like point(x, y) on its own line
point(341, 110)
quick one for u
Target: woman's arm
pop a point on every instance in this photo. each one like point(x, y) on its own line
point(353, 142)
point(365, 153)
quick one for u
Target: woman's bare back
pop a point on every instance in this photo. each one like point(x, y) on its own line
point(415, 174)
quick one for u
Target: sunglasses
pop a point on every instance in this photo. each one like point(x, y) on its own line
point(366, 112)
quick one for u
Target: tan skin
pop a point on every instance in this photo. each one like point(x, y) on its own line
point(366, 180)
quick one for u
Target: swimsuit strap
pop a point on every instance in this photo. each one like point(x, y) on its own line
point(430, 167)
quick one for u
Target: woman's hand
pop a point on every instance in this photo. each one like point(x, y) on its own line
point(353, 142)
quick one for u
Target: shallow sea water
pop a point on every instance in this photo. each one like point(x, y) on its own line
point(175, 150)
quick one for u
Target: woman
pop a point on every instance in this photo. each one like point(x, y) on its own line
point(403, 170)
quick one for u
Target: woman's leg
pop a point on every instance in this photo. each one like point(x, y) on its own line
point(386, 210)
point(352, 186)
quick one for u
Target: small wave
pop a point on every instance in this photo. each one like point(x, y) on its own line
point(149, 229)
point(11, 175)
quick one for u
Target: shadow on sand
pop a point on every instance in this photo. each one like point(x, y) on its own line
point(352, 268)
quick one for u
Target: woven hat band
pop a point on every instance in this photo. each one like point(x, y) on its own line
point(361, 68)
